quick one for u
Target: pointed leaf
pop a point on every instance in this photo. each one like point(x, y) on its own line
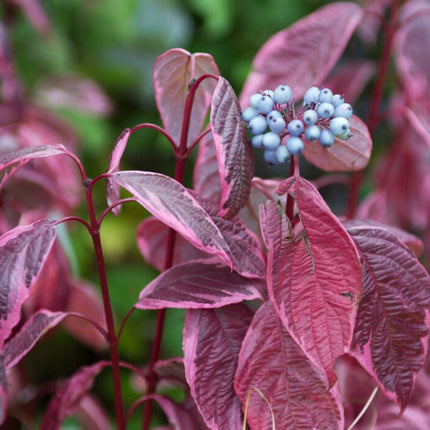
point(173, 204)
point(344, 155)
point(314, 279)
point(198, 284)
point(234, 152)
point(17, 159)
point(22, 342)
point(303, 54)
point(173, 72)
point(390, 326)
point(69, 394)
point(296, 390)
point(212, 340)
point(112, 189)
point(23, 250)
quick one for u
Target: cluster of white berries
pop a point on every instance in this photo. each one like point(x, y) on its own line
point(277, 128)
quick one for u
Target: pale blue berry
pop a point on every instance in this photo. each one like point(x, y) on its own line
point(339, 126)
point(249, 113)
point(326, 138)
point(254, 100)
point(311, 96)
point(312, 133)
point(325, 110)
point(257, 141)
point(344, 110)
point(345, 136)
point(295, 127)
point(282, 154)
point(273, 114)
point(276, 124)
point(271, 141)
point(326, 96)
point(270, 157)
point(257, 125)
point(337, 100)
point(282, 94)
point(266, 104)
point(310, 117)
point(295, 145)
point(268, 93)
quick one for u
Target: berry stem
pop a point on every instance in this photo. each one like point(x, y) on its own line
point(372, 119)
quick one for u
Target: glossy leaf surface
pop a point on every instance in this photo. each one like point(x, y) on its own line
point(23, 250)
point(212, 340)
point(314, 279)
point(296, 390)
point(173, 204)
point(173, 72)
point(198, 284)
point(391, 327)
point(234, 152)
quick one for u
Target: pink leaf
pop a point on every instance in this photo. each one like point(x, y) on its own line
point(173, 204)
point(206, 179)
point(69, 394)
point(177, 414)
point(410, 49)
point(390, 324)
point(22, 342)
point(112, 189)
point(344, 155)
point(419, 116)
point(314, 278)
point(173, 72)
point(23, 250)
point(234, 152)
point(17, 159)
point(212, 340)
point(296, 390)
point(303, 54)
point(152, 242)
point(198, 284)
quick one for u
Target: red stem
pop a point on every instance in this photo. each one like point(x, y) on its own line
point(113, 343)
point(289, 205)
point(372, 119)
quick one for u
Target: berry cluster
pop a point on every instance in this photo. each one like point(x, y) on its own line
point(277, 128)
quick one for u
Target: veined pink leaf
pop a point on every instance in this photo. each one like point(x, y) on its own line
point(173, 204)
point(419, 116)
point(344, 155)
point(296, 390)
point(199, 284)
point(173, 72)
point(22, 342)
point(212, 340)
point(234, 152)
point(206, 181)
point(314, 279)
point(17, 159)
point(390, 328)
point(410, 53)
point(69, 394)
point(413, 242)
point(151, 239)
point(112, 189)
point(23, 250)
point(303, 54)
